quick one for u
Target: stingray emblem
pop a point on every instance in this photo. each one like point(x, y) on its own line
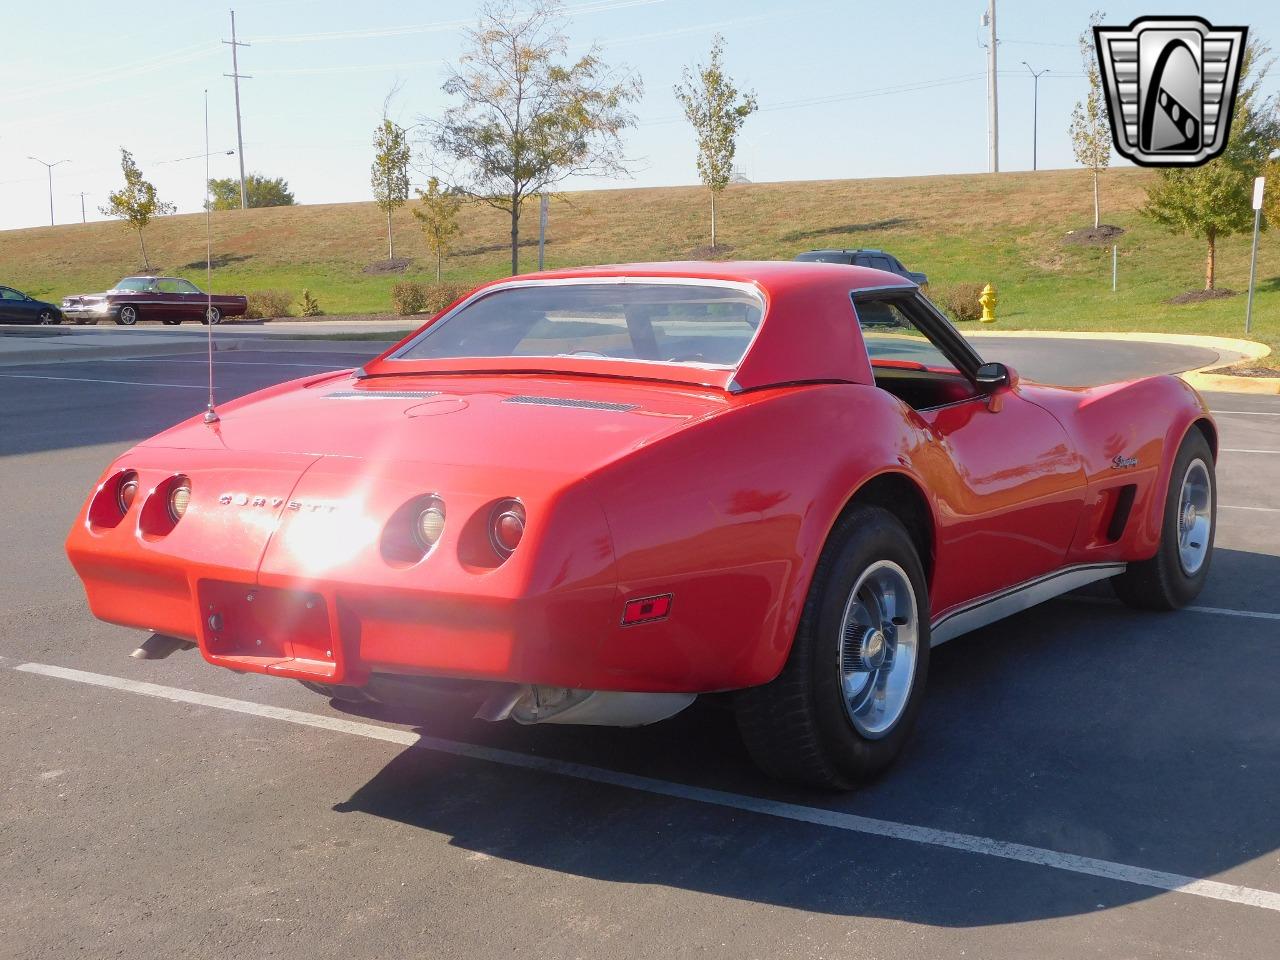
point(1170, 85)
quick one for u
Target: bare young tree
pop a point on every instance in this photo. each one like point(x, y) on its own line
point(136, 202)
point(1090, 128)
point(524, 119)
point(389, 175)
point(713, 107)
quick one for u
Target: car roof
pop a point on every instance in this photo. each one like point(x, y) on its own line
point(809, 332)
point(850, 250)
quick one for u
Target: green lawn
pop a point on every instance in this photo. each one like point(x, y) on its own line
point(1006, 229)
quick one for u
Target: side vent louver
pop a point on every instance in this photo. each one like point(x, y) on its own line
point(570, 402)
point(381, 394)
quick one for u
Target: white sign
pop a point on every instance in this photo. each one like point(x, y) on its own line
point(1258, 185)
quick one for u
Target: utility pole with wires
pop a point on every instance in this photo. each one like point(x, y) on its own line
point(83, 218)
point(1035, 109)
point(236, 76)
point(993, 118)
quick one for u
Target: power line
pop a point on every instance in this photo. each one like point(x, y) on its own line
point(236, 77)
point(379, 33)
point(841, 97)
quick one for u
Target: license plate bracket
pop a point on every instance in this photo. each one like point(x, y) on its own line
point(267, 630)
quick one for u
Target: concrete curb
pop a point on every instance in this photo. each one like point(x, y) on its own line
point(1198, 378)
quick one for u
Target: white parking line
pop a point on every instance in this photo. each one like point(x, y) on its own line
point(1236, 506)
point(1240, 450)
point(968, 843)
point(1216, 611)
point(125, 383)
point(1246, 413)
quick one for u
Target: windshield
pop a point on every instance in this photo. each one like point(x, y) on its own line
point(691, 323)
point(134, 283)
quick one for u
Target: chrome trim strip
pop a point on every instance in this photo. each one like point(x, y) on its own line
point(1005, 603)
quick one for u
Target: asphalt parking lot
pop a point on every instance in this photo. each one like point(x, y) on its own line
point(1085, 781)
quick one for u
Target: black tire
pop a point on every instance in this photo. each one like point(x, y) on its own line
point(797, 727)
point(127, 316)
point(49, 318)
point(1163, 582)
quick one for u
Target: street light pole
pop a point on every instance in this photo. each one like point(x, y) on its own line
point(49, 169)
point(1035, 110)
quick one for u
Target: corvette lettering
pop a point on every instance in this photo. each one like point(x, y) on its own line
point(246, 500)
point(1121, 462)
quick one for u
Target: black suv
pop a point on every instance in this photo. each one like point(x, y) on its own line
point(876, 259)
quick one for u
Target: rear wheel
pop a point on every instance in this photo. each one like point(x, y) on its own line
point(844, 704)
point(128, 316)
point(212, 315)
point(1176, 574)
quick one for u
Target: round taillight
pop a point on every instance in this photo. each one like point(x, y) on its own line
point(507, 527)
point(126, 491)
point(179, 498)
point(430, 524)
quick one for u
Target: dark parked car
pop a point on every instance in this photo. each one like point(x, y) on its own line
point(167, 299)
point(875, 259)
point(17, 307)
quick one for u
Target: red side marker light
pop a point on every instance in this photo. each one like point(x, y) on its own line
point(646, 609)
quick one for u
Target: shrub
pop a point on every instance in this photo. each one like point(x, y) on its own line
point(265, 304)
point(440, 295)
point(309, 304)
point(959, 300)
point(408, 297)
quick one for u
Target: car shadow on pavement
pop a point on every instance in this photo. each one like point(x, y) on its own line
point(1082, 727)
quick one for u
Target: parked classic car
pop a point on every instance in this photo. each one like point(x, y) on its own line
point(17, 307)
point(167, 299)
point(589, 496)
point(866, 257)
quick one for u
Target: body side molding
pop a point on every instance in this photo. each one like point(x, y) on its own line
point(1005, 603)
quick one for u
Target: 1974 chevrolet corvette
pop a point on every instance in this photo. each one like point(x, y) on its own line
point(589, 496)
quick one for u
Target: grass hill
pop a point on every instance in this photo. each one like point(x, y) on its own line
point(1006, 228)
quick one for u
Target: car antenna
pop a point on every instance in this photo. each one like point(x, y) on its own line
point(210, 414)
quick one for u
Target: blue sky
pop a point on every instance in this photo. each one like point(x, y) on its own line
point(829, 74)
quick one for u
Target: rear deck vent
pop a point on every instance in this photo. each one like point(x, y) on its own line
point(381, 394)
point(569, 402)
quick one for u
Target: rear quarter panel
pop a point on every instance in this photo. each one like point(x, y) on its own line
point(730, 516)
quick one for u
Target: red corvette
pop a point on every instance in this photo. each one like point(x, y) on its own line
point(589, 496)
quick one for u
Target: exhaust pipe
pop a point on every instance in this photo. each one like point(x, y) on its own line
point(158, 646)
point(603, 708)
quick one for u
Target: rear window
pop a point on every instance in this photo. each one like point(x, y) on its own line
point(696, 324)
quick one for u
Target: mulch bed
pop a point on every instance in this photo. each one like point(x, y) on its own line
point(1200, 296)
point(1261, 372)
point(1101, 234)
point(398, 265)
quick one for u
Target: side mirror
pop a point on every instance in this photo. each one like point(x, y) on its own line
point(991, 377)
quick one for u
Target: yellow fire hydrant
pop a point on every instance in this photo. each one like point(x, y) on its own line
point(988, 303)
